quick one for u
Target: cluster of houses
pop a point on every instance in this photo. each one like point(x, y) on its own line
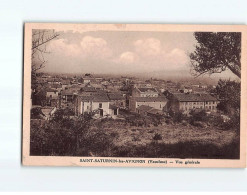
point(108, 97)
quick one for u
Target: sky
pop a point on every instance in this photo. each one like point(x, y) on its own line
point(121, 52)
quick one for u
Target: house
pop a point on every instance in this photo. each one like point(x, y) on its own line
point(186, 102)
point(57, 87)
point(51, 93)
point(67, 95)
point(65, 83)
point(117, 99)
point(88, 79)
point(147, 96)
point(159, 102)
point(98, 103)
point(144, 92)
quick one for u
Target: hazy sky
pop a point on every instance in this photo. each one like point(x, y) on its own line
point(120, 52)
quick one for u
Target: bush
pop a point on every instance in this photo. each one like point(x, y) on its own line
point(199, 115)
point(157, 136)
point(178, 117)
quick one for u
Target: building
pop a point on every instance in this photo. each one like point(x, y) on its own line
point(159, 103)
point(144, 92)
point(88, 79)
point(97, 103)
point(51, 93)
point(147, 96)
point(65, 83)
point(187, 102)
point(57, 87)
point(117, 99)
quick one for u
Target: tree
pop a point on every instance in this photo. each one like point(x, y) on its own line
point(40, 38)
point(229, 94)
point(216, 52)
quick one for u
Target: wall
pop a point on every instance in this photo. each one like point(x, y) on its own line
point(156, 105)
point(53, 94)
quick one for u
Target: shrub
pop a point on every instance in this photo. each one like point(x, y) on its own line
point(157, 136)
point(178, 117)
point(199, 115)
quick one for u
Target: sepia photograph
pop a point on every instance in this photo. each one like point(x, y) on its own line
point(133, 95)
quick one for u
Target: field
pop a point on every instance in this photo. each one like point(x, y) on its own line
point(171, 140)
point(136, 136)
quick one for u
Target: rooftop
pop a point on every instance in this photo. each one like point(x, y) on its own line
point(95, 98)
point(199, 97)
point(115, 96)
point(151, 99)
point(147, 90)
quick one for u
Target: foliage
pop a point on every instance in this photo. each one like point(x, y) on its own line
point(215, 52)
point(61, 135)
point(157, 136)
point(229, 94)
point(177, 117)
point(36, 113)
point(197, 117)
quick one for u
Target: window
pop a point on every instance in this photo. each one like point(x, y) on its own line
point(100, 105)
point(210, 107)
point(160, 105)
point(87, 107)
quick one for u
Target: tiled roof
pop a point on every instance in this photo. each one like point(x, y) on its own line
point(151, 99)
point(183, 97)
point(95, 98)
point(115, 96)
point(68, 92)
point(88, 89)
point(147, 89)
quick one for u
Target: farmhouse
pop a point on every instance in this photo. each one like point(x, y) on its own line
point(186, 102)
point(98, 103)
point(145, 92)
point(159, 103)
point(147, 96)
point(117, 99)
point(51, 93)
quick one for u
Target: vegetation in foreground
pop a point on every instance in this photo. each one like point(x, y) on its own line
point(178, 136)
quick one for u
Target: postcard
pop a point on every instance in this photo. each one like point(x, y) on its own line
point(134, 95)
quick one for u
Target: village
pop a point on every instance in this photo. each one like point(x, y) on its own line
point(110, 97)
point(110, 115)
